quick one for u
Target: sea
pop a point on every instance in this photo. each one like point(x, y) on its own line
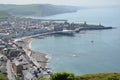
point(88, 52)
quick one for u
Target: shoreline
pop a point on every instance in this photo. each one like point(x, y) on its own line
point(38, 58)
point(36, 54)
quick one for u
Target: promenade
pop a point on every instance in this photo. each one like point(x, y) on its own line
point(38, 59)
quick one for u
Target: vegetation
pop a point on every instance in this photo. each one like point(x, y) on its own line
point(3, 77)
point(62, 76)
point(4, 14)
point(36, 9)
point(4, 53)
point(43, 79)
point(16, 78)
point(70, 76)
point(100, 76)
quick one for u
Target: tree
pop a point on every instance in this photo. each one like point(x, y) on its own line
point(43, 79)
point(62, 76)
point(3, 77)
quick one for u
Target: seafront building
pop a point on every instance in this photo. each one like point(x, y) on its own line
point(16, 59)
point(20, 61)
point(16, 27)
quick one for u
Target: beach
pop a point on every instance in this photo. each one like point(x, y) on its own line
point(38, 58)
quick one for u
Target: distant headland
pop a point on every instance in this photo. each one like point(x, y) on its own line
point(37, 10)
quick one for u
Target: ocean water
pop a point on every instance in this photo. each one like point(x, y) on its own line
point(77, 54)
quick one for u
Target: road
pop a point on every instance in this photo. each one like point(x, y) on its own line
point(9, 70)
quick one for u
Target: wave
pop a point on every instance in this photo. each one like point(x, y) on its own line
point(30, 45)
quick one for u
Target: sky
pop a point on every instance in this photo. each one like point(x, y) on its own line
point(65, 2)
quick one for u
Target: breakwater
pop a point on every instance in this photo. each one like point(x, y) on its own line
point(92, 28)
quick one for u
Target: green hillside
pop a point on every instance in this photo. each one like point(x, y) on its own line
point(100, 76)
point(70, 76)
point(21, 10)
point(36, 9)
point(4, 14)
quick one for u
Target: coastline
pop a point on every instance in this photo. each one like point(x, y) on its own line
point(38, 58)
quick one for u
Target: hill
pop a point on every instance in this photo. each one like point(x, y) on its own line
point(4, 14)
point(36, 9)
point(71, 76)
point(100, 76)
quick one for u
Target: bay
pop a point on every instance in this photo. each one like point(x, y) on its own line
point(77, 54)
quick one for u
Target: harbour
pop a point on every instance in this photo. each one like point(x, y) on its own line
point(91, 49)
point(48, 41)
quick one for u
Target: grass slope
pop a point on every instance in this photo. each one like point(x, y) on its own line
point(4, 14)
point(36, 9)
point(100, 76)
